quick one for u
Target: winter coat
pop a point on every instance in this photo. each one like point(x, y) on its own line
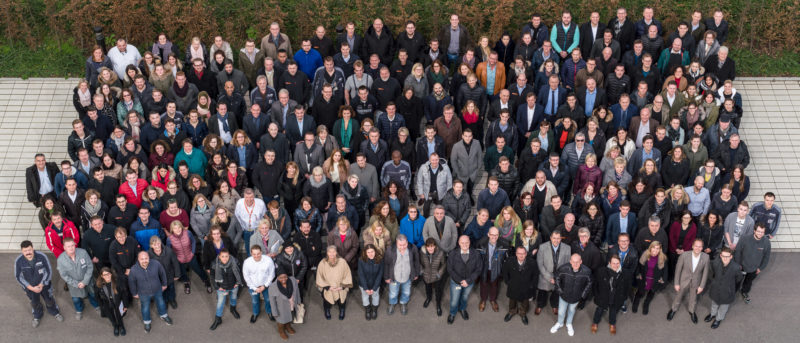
point(520, 279)
point(496, 261)
point(370, 274)
point(347, 249)
point(76, 271)
point(282, 307)
point(432, 265)
point(660, 274)
point(509, 181)
point(457, 208)
point(466, 166)
point(447, 242)
point(444, 180)
point(468, 271)
point(611, 288)
point(334, 275)
point(548, 266)
point(573, 286)
point(390, 258)
point(169, 261)
point(295, 265)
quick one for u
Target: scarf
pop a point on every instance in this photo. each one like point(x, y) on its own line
point(197, 53)
point(85, 98)
point(439, 97)
point(219, 267)
point(611, 199)
point(346, 132)
point(158, 47)
point(436, 77)
point(519, 71)
point(180, 92)
point(588, 198)
point(286, 291)
point(203, 209)
point(470, 118)
point(135, 130)
point(674, 134)
point(92, 210)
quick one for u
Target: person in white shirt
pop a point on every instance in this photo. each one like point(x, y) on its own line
point(249, 211)
point(259, 271)
point(122, 55)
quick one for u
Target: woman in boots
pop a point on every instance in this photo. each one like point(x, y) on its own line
point(182, 243)
point(651, 276)
point(370, 274)
point(284, 295)
point(611, 289)
point(108, 292)
point(432, 259)
point(334, 280)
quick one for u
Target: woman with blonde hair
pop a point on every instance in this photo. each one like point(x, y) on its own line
point(529, 238)
point(376, 235)
point(229, 224)
point(651, 275)
point(509, 225)
point(201, 214)
point(82, 98)
point(336, 168)
point(679, 201)
point(417, 81)
point(649, 173)
point(589, 172)
point(334, 280)
point(291, 186)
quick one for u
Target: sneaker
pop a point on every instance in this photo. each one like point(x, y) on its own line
point(555, 328)
point(78, 315)
point(746, 297)
point(167, 320)
point(147, 328)
point(624, 309)
point(570, 330)
point(59, 317)
point(97, 309)
point(35, 323)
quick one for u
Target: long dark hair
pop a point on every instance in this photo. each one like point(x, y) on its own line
point(100, 282)
point(378, 255)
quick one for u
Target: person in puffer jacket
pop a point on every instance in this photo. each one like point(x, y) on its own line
point(507, 176)
point(145, 227)
point(573, 283)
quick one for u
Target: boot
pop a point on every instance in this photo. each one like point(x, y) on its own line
point(234, 312)
point(208, 286)
point(289, 328)
point(116, 331)
point(122, 331)
point(282, 331)
point(635, 306)
point(341, 312)
point(217, 321)
point(427, 302)
point(646, 306)
point(374, 312)
point(327, 313)
point(368, 312)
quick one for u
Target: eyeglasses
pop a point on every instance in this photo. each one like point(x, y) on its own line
point(579, 140)
point(726, 256)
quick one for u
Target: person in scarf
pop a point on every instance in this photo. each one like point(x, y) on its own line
point(226, 278)
point(162, 47)
point(611, 289)
point(493, 249)
point(284, 298)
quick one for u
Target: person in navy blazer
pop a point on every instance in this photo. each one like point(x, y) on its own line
point(213, 122)
point(599, 99)
point(544, 96)
point(522, 118)
point(613, 228)
point(630, 110)
point(255, 132)
point(295, 133)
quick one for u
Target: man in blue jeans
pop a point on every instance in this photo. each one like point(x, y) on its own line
point(259, 271)
point(147, 281)
point(226, 279)
point(573, 283)
point(464, 266)
point(400, 268)
point(75, 266)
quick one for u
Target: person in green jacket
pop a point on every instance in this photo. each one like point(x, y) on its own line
point(195, 159)
point(664, 59)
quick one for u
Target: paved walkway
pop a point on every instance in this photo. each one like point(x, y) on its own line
point(35, 116)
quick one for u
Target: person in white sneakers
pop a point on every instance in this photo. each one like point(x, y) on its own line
point(259, 271)
point(573, 283)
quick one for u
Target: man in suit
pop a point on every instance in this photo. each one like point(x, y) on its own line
point(691, 273)
point(641, 126)
point(271, 71)
point(623, 112)
point(298, 124)
point(282, 109)
point(590, 31)
point(503, 101)
point(254, 124)
point(529, 115)
point(222, 123)
point(622, 222)
point(552, 97)
point(40, 179)
point(595, 97)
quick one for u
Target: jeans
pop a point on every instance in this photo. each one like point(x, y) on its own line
point(246, 238)
point(221, 295)
point(404, 290)
point(566, 309)
point(452, 62)
point(374, 299)
point(49, 301)
point(78, 302)
point(458, 297)
point(161, 306)
point(255, 299)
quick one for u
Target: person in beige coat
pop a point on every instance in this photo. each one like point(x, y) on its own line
point(334, 280)
point(691, 274)
point(274, 41)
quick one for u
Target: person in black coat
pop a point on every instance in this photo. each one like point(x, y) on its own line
point(122, 255)
point(464, 265)
point(520, 274)
point(33, 181)
point(311, 247)
point(724, 277)
point(611, 289)
point(109, 292)
point(217, 240)
point(652, 261)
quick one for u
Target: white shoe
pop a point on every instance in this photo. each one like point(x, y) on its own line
point(570, 330)
point(555, 328)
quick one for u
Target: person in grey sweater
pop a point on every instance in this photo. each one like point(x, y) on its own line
point(752, 254)
point(75, 267)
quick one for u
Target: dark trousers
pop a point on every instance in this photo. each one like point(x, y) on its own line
point(436, 286)
point(339, 303)
point(489, 289)
point(748, 282)
point(36, 302)
point(612, 314)
point(431, 200)
point(518, 306)
point(542, 296)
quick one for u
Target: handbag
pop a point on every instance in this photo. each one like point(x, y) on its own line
point(299, 313)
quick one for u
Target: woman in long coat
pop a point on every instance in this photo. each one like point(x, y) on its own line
point(109, 292)
point(334, 280)
point(284, 296)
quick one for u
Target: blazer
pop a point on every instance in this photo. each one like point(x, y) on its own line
point(613, 229)
point(213, 124)
point(548, 266)
point(295, 133)
point(636, 122)
point(255, 131)
point(587, 38)
point(599, 98)
point(685, 277)
point(544, 94)
point(494, 108)
point(522, 119)
point(276, 113)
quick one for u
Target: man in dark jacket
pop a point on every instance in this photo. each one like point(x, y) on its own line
point(732, 153)
point(520, 274)
point(493, 250)
point(753, 253)
point(122, 214)
point(628, 257)
point(226, 278)
point(341, 209)
point(79, 138)
point(40, 179)
point(725, 275)
point(296, 82)
point(378, 40)
point(97, 242)
point(464, 266)
point(412, 41)
point(624, 29)
point(611, 289)
point(147, 281)
point(310, 245)
point(33, 272)
point(202, 78)
point(573, 283)
point(454, 40)
point(400, 268)
point(266, 174)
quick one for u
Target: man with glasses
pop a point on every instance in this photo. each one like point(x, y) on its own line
point(725, 276)
point(204, 80)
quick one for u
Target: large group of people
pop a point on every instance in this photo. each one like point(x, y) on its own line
point(615, 171)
